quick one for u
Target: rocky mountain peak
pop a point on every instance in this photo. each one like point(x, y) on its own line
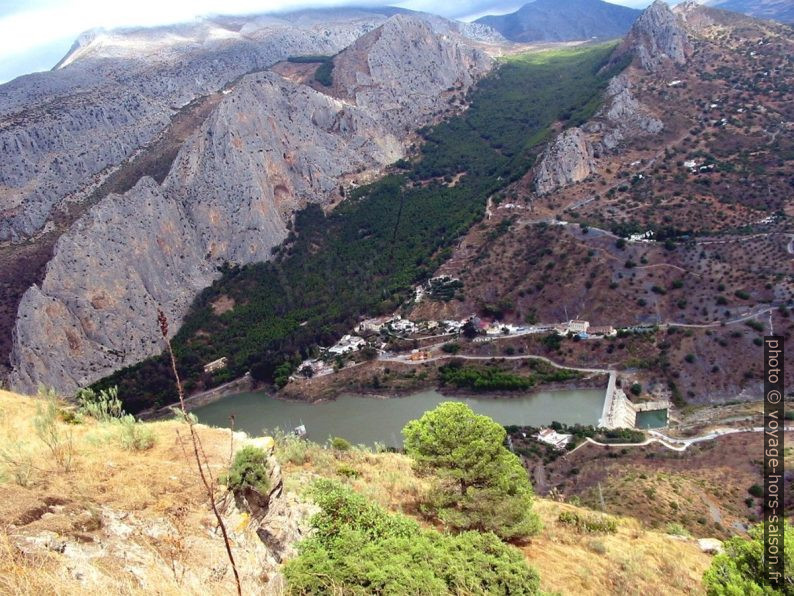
point(658, 36)
point(268, 148)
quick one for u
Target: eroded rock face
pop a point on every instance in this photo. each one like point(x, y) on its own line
point(403, 70)
point(622, 117)
point(270, 147)
point(658, 36)
point(569, 159)
point(115, 91)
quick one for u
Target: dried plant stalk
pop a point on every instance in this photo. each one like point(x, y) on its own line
point(203, 466)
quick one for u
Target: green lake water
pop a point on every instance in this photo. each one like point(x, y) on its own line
point(651, 419)
point(367, 420)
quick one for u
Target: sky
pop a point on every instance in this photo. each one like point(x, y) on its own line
point(36, 34)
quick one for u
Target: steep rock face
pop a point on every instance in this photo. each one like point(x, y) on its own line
point(622, 117)
point(127, 255)
point(59, 130)
point(270, 147)
point(658, 36)
point(569, 159)
point(116, 90)
point(373, 72)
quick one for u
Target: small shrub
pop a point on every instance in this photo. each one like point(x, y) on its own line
point(347, 471)
point(591, 524)
point(17, 461)
point(756, 490)
point(677, 529)
point(70, 417)
point(102, 406)
point(291, 449)
point(340, 444)
point(249, 470)
point(451, 347)
point(135, 435)
point(597, 546)
point(45, 422)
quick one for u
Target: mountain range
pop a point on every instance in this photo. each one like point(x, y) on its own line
point(776, 10)
point(272, 212)
point(561, 20)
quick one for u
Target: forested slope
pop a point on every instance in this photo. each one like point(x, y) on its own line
point(365, 256)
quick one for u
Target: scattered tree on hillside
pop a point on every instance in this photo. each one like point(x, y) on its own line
point(739, 570)
point(358, 548)
point(477, 483)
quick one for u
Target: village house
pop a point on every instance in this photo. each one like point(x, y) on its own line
point(553, 438)
point(403, 326)
point(578, 326)
point(348, 343)
point(453, 326)
point(215, 365)
point(372, 325)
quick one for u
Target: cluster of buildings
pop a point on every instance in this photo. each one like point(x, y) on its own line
point(583, 329)
point(373, 332)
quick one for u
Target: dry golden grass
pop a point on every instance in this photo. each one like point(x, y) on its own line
point(149, 490)
point(160, 486)
point(631, 561)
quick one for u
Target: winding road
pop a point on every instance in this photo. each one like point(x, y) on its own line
point(678, 444)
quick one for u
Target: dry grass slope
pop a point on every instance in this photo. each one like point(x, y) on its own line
point(134, 522)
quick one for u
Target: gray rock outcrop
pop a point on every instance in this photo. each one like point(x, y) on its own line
point(116, 90)
point(270, 147)
point(567, 160)
point(622, 117)
point(657, 37)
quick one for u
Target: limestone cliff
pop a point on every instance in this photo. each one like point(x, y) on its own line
point(270, 147)
point(116, 90)
point(658, 37)
point(622, 117)
point(567, 160)
point(62, 130)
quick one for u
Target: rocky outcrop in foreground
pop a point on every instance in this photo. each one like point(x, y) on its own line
point(270, 147)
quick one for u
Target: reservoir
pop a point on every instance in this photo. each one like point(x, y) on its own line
point(369, 420)
point(651, 419)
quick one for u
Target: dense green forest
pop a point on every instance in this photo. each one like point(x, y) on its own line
point(365, 256)
point(323, 74)
point(492, 378)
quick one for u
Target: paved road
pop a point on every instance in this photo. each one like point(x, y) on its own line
point(741, 319)
point(406, 360)
point(678, 444)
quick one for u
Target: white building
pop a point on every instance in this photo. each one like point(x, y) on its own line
point(216, 365)
point(348, 343)
point(553, 438)
point(400, 325)
point(372, 325)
